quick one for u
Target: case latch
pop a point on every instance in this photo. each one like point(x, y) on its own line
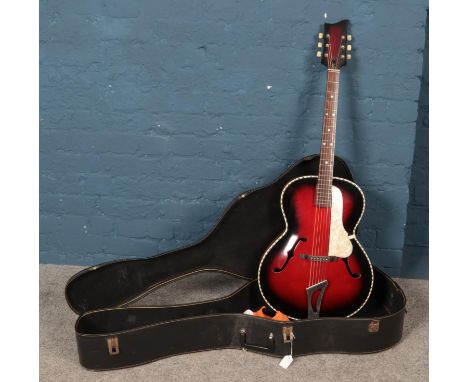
point(288, 335)
point(288, 338)
point(113, 345)
point(374, 326)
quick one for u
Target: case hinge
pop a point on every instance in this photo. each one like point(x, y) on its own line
point(113, 345)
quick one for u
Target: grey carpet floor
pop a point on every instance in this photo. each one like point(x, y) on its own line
point(408, 361)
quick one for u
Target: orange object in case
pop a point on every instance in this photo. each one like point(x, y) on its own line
point(278, 316)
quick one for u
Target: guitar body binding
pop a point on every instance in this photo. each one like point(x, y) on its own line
point(317, 247)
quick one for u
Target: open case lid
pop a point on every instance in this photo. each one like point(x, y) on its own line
point(234, 245)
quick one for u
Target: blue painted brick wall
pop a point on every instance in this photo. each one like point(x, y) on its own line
point(155, 114)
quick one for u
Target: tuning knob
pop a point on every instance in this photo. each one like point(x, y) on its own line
point(319, 44)
point(349, 37)
point(348, 48)
point(319, 54)
point(320, 35)
point(348, 57)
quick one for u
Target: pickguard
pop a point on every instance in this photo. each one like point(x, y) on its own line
point(340, 245)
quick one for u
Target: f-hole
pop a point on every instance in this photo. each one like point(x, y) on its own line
point(354, 275)
point(290, 254)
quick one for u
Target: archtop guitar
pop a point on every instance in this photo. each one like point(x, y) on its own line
point(316, 266)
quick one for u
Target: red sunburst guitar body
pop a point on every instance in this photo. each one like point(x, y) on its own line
point(285, 272)
point(316, 266)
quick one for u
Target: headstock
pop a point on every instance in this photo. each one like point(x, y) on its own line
point(335, 45)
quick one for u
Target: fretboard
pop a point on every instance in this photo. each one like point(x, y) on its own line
point(327, 146)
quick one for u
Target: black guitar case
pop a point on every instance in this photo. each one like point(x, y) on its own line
point(111, 333)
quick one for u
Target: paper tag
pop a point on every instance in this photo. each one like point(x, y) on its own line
point(249, 312)
point(286, 361)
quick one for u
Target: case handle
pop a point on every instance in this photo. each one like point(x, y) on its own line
point(270, 347)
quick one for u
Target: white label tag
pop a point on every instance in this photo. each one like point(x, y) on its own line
point(286, 361)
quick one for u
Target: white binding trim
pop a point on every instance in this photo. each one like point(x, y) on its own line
point(352, 237)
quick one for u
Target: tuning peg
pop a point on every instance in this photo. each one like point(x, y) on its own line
point(319, 44)
point(348, 48)
point(320, 35)
point(319, 54)
point(349, 37)
point(348, 57)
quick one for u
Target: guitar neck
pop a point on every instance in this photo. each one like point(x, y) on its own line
point(327, 146)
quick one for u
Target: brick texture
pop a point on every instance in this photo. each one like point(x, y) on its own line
point(155, 114)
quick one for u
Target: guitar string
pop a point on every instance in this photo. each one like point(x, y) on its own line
point(326, 212)
point(317, 229)
point(313, 268)
point(335, 111)
point(313, 241)
point(324, 226)
point(323, 214)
